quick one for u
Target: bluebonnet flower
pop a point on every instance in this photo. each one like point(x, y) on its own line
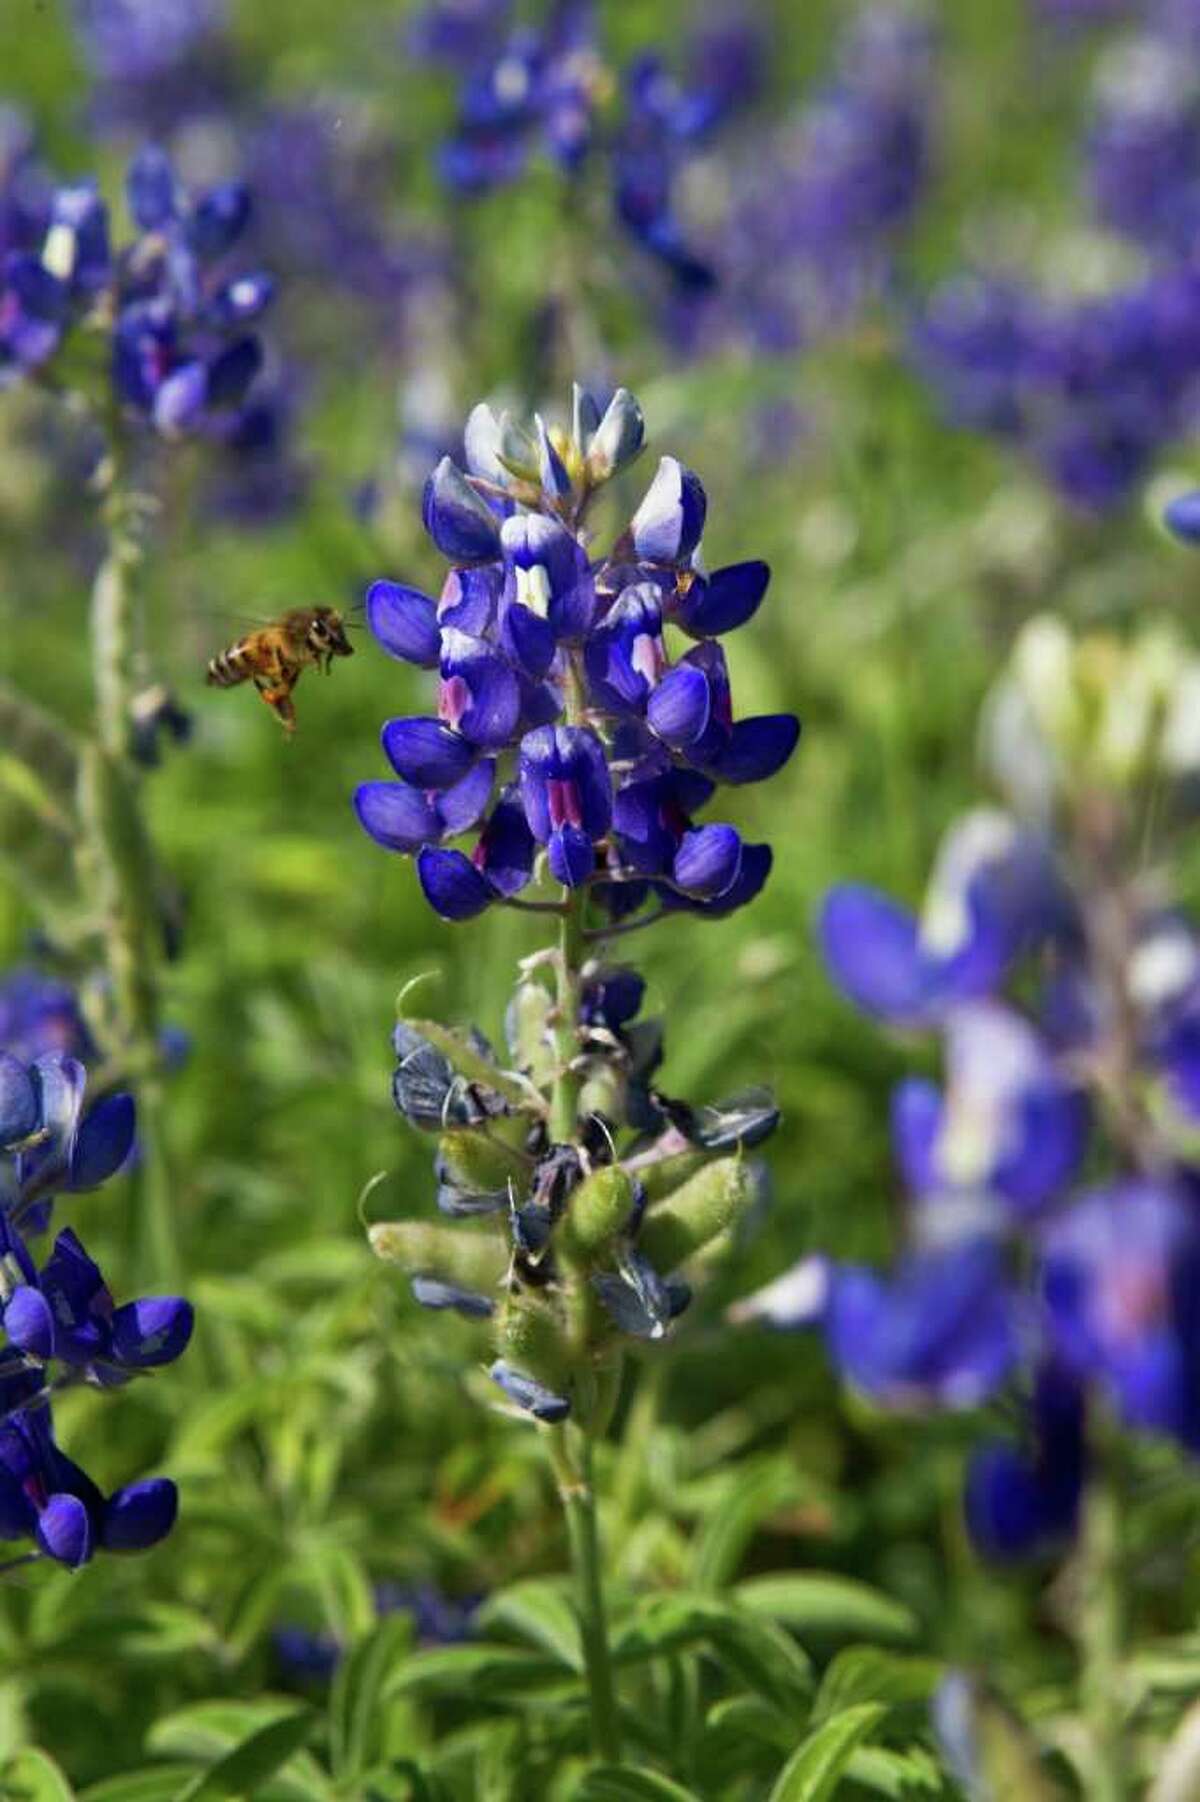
point(64, 1316)
point(1143, 149)
point(1091, 389)
point(177, 316)
point(815, 214)
point(1065, 988)
point(557, 661)
point(578, 743)
point(39, 1014)
point(155, 63)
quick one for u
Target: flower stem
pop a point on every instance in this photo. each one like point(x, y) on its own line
point(1100, 1632)
point(117, 846)
point(564, 1101)
point(578, 1495)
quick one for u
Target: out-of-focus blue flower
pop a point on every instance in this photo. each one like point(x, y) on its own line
point(1144, 144)
point(39, 1015)
point(553, 670)
point(1008, 1123)
point(940, 1332)
point(993, 892)
point(1022, 1500)
point(1091, 390)
point(1120, 1287)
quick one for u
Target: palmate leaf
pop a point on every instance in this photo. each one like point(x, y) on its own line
point(812, 1772)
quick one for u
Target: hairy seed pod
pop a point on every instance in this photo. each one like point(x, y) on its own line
point(703, 1207)
point(451, 1254)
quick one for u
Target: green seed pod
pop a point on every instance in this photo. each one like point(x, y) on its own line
point(453, 1254)
point(597, 1212)
point(604, 1091)
point(663, 1177)
point(528, 1028)
point(531, 1336)
point(698, 1211)
point(476, 1162)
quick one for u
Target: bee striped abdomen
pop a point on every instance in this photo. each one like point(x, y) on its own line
point(230, 667)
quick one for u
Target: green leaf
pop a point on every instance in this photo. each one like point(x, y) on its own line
point(630, 1783)
point(812, 1772)
point(157, 1783)
point(821, 1602)
point(722, 1542)
point(539, 1611)
point(354, 1708)
point(760, 1654)
point(241, 1771)
point(33, 1776)
point(471, 1670)
point(897, 1776)
point(870, 1674)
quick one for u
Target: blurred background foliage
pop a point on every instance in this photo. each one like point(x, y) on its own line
point(327, 1435)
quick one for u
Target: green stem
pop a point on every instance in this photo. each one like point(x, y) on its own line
point(118, 847)
point(1101, 1633)
point(564, 1100)
point(578, 1495)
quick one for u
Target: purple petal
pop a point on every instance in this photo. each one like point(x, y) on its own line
point(757, 748)
point(19, 1111)
point(29, 1322)
point(871, 950)
point(427, 753)
point(505, 849)
point(64, 1531)
point(434, 1294)
point(138, 1516)
point(723, 601)
point(103, 1142)
point(152, 1331)
point(708, 861)
point(571, 856)
point(679, 708)
point(452, 885)
point(529, 1394)
point(397, 816)
point(231, 372)
point(1182, 516)
point(480, 694)
point(667, 526)
point(464, 804)
point(916, 1121)
point(460, 523)
point(181, 399)
point(405, 622)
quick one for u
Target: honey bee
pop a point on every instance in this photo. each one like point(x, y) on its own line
point(275, 657)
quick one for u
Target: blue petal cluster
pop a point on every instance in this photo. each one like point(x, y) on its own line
point(1014, 1274)
point(549, 87)
point(60, 1322)
point(584, 713)
point(176, 316)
